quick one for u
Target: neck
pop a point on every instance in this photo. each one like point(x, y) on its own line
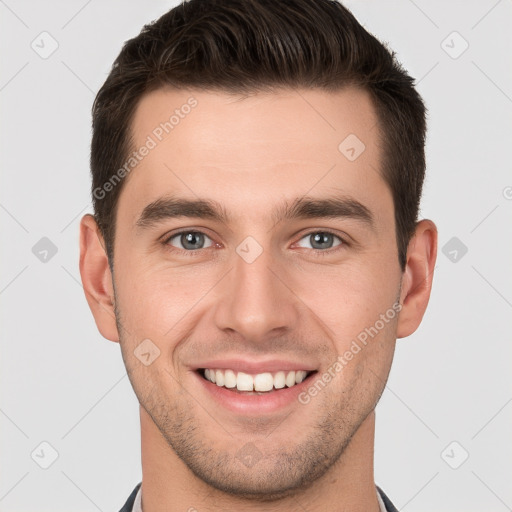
point(169, 485)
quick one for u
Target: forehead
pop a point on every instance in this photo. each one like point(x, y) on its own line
point(212, 120)
point(250, 151)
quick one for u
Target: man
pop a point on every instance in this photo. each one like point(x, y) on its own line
point(257, 169)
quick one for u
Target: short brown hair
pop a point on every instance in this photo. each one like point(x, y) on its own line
point(244, 46)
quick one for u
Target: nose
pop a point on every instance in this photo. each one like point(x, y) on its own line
point(256, 300)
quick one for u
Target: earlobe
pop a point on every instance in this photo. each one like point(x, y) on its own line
point(97, 278)
point(417, 277)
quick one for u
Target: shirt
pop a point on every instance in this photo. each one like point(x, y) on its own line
point(133, 504)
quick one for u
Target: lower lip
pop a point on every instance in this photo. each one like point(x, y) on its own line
point(242, 403)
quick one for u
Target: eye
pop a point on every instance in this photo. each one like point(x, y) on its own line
point(319, 240)
point(189, 240)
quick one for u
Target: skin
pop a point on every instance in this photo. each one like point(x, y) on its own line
point(250, 154)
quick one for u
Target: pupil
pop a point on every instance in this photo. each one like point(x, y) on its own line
point(322, 239)
point(191, 240)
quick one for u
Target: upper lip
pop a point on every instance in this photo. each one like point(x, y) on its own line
point(255, 367)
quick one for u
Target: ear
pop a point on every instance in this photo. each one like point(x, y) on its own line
point(97, 278)
point(417, 277)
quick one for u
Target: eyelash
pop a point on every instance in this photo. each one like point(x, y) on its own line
point(317, 252)
point(327, 252)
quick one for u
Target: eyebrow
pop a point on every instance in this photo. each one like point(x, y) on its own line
point(301, 208)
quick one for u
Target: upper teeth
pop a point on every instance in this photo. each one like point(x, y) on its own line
point(259, 382)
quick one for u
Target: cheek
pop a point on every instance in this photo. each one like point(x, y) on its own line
point(350, 298)
point(362, 365)
point(158, 302)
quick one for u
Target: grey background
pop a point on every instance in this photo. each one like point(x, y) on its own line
point(63, 384)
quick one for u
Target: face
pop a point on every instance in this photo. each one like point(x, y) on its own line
point(252, 241)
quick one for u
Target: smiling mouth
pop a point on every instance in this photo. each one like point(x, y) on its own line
point(254, 384)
